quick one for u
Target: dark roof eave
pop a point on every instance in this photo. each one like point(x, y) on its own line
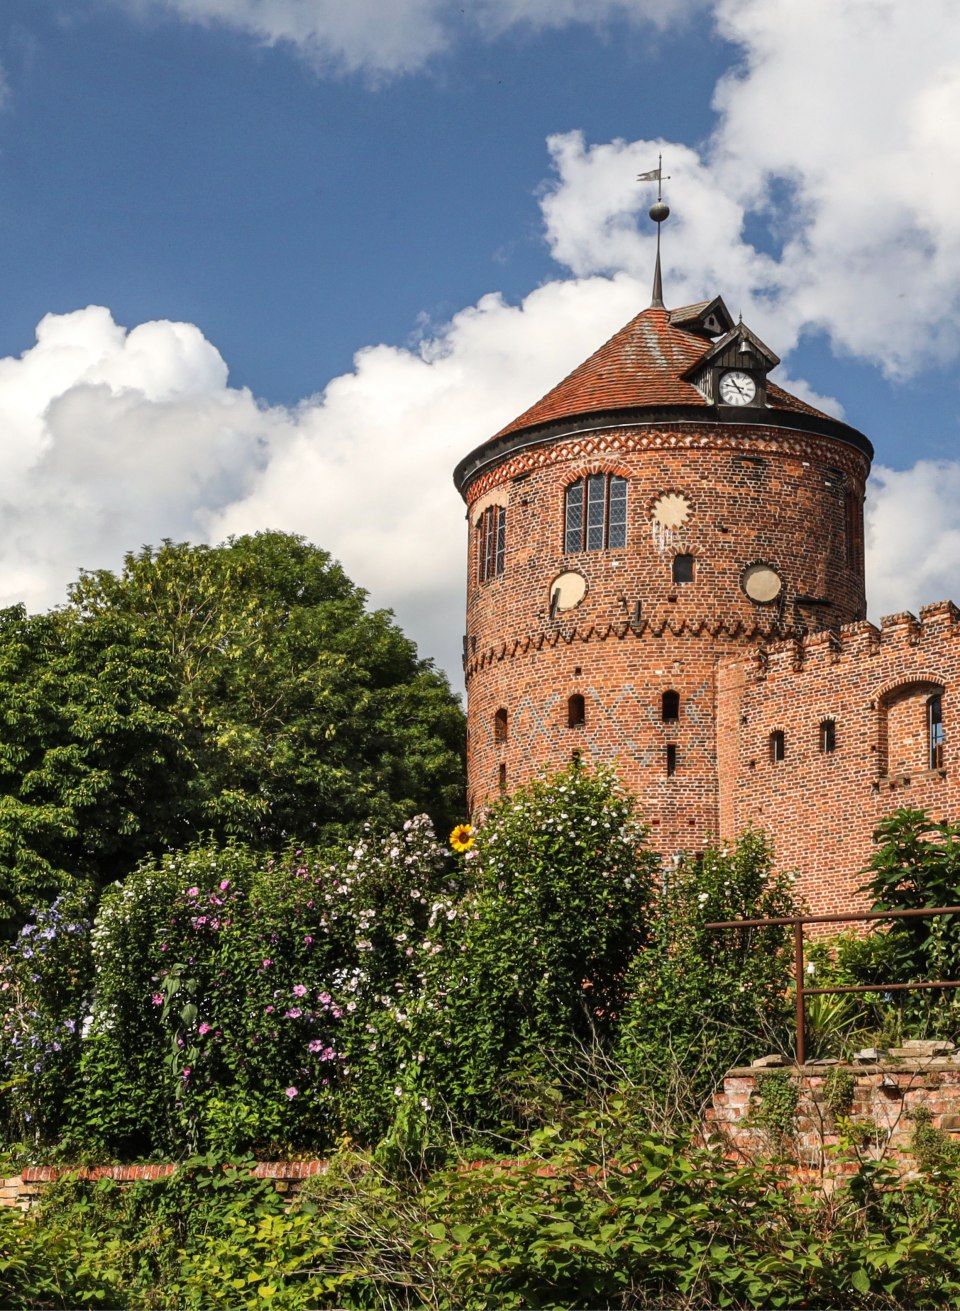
point(493, 451)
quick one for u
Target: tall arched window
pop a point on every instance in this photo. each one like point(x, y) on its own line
point(683, 568)
point(828, 735)
point(576, 711)
point(670, 707)
point(500, 725)
point(910, 729)
point(491, 542)
point(595, 514)
point(778, 747)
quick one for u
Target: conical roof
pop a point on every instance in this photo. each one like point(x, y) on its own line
point(644, 364)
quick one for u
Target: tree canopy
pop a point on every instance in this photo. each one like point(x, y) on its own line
point(243, 690)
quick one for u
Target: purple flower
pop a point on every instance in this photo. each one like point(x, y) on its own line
point(292, 1092)
point(157, 998)
point(307, 940)
point(293, 1013)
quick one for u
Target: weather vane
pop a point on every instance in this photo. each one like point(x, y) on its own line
point(658, 212)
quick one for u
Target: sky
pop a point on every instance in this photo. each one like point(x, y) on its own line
point(281, 263)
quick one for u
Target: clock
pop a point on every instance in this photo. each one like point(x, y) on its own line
point(737, 388)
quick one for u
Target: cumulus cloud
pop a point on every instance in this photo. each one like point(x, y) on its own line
point(391, 37)
point(913, 536)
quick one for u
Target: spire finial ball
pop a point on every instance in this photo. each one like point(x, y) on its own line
point(659, 211)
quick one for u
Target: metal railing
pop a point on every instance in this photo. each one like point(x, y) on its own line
point(799, 921)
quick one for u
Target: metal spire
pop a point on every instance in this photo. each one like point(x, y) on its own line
point(658, 212)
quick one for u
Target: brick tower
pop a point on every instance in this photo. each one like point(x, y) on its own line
point(666, 506)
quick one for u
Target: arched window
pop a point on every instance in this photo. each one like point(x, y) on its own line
point(595, 514)
point(828, 735)
point(683, 568)
point(935, 730)
point(670, 707)
point(500, 725)
point(910, 729)
point(778, 747)
point(576, 711)
point(491, 542)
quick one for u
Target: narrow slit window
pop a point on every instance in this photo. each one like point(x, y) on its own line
point(670, 707)
point(683, 568)
point(935, 730)
point(671, 760)
point(595, 514)
point(828, 736)
point(502, 778)
point(576, 711)
point(500, 725)
point(778, 747)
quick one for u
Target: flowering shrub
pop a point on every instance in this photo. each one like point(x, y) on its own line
point(45, 979)
point(233, 992)
point(702, 1000)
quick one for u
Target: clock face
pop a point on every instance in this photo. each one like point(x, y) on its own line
point(737, 388)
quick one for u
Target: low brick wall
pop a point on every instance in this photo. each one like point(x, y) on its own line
point(886, 1096)
point(23, 1189)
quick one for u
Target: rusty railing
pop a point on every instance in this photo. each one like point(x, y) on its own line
point(798, 922)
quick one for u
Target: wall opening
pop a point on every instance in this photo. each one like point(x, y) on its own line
point(683, 568)
point(828, 736)
point(500, 725)
point(670, 707)
point(778, 747)
point(935, 730)
point(671, 760)
point(910, 731)
point(502, 778)
point(576, 711)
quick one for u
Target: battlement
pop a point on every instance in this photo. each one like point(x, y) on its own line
point(916, 644)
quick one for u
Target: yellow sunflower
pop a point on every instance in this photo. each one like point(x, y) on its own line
point(462, 838)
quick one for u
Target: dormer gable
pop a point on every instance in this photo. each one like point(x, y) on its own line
point(740, 357)
point(708, 318)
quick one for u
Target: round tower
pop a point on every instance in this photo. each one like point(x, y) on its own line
point(663, 507)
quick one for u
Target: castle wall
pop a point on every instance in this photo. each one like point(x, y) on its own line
point(875, 685)
point(748, 494)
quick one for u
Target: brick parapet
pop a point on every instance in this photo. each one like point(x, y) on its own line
point(885, 1098)
point(821, 806)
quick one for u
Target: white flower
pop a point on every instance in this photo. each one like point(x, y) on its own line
point(811, 968)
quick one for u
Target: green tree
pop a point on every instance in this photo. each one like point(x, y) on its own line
point(243, 690)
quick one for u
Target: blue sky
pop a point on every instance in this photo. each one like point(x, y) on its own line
point(290, 260)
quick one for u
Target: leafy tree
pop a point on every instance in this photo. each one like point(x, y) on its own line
point(242, 690)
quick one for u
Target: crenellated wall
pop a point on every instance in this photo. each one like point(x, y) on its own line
point(875, 686)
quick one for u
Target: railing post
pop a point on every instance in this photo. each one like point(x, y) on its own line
point(801, 1023)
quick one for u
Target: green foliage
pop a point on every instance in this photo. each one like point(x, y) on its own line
point(535, 957)
point(839, 1087)
point(702, 1000)
point(240, 691)
point(594, 1211)
point(934, 1151)
point(236, 996)
point(46, 976)
point(779, 1096)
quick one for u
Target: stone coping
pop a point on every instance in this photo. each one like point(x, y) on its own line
point(281, 1170)
point(911, 1065)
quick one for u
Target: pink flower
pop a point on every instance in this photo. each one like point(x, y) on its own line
point(193, 892)
point(224, 885)
point(186, 1073)
point(267, 961)
point(157, 999)
point(293, 1013)
point(325, 999)
point(307, 940)
point(293, 1092)
point(204, 1028)
point(299, 990)
point(269, 1009)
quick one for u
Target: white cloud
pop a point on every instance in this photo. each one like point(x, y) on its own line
point(391, 37)
point(913, 536)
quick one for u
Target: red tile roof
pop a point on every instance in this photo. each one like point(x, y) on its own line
point(641, 365)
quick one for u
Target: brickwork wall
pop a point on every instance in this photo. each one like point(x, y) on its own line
point(753, 495)
point(821, 807)
point(886, 1096)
